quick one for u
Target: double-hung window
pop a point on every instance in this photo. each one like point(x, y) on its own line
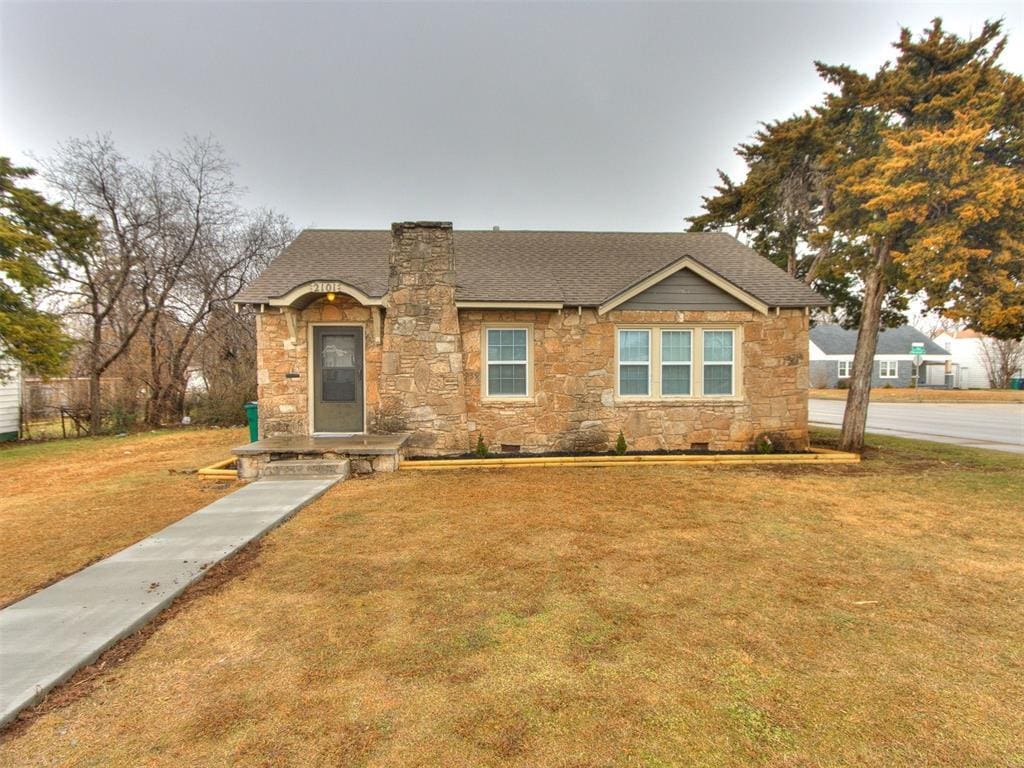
point(718, 362)
point(676, 362)
point(673, 362)
point(508, 362)
point(888, 369)
point(634, 362)
point(844, 369)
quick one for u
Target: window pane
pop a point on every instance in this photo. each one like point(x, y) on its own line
point(633, 380)
point(506, 344)
point(675, 379)
point(717, 379)
point(506, 379)
point(718, 346)
point(634, 346)
point(675, 346)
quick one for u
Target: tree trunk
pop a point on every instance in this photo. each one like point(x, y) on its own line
point(854, 420)
point(95, 415)
point(95, 372)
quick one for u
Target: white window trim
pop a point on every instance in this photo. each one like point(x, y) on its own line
point(839, 368)
point(696, 363)
point(662, 364)
point(883, 365)
point(649, 363)
point(731, 364)
point(485, 362)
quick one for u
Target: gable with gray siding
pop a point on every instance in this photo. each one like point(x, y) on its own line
point(684, 290)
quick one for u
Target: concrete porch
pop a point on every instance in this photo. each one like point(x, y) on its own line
point(302, 454)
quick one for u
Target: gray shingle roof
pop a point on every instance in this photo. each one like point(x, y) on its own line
point(575, 268)
point(836, 340)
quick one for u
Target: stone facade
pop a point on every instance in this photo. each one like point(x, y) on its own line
point(422, 366)
point(574, 405)
point(283, 364)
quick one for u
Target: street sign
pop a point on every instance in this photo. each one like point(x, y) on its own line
point(917, 350)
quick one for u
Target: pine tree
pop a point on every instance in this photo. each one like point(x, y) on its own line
point(38, 239)
point(918, 189)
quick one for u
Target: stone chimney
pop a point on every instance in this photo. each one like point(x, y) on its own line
point(421, 366)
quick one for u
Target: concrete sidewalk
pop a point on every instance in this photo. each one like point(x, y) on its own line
point(48, 636)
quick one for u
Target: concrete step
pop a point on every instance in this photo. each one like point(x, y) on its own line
point(308, 468)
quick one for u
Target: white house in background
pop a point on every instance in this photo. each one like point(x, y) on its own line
point(10, 399)
point(832, 348)
point(967, 349)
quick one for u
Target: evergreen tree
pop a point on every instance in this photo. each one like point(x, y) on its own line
point(38, 239)
point(909, 182)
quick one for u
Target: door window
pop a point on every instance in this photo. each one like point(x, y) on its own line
point(338, 368)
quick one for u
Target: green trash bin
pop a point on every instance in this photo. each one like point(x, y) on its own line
point(253, 417)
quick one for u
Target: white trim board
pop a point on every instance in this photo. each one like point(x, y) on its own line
point(321, 287)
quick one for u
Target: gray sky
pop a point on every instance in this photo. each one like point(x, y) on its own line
point(569, 116)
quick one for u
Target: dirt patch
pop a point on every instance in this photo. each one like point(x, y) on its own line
point(85, 680)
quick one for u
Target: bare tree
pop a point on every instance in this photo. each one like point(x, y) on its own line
point(108, 290)
point(1003, 360)
point(199, 308)
point(175, 246)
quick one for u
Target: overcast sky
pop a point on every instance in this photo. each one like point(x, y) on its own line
point(528, 116)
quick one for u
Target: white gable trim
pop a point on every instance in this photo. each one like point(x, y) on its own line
point(320, 287)
point(698, 269)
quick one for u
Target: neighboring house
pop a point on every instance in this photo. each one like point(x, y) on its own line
point(968, 354)
point(832, 348)
point(10, 399)
point(534, 341)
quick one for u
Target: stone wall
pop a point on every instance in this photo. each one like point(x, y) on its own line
point(282, 363)
point(574, 405)
point(422, 380)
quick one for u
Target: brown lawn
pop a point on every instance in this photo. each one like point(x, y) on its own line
point(862, 615)
point(909, 394)
point(64, 504)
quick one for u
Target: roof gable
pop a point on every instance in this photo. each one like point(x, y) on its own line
point(683, 285)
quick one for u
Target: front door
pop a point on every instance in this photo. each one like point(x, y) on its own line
point(337, 379)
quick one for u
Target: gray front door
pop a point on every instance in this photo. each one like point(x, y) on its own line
point(337, 379)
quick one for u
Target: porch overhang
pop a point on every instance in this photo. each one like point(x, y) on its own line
point(301, 296)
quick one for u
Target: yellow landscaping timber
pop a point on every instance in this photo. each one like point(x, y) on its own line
point(815, 456)
point(218, 470)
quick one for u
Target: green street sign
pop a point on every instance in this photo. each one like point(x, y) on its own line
point(917, 348)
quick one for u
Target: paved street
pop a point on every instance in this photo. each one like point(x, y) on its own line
point(996, 426)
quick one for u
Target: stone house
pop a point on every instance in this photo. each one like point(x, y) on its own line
point(531, 341)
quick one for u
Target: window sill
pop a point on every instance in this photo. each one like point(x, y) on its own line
point(509, 399)
point(682, 400)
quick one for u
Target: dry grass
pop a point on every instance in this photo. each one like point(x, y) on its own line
point(909, 394)
point(64, 504)
point(861, 615)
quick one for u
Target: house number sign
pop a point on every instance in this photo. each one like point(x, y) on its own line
point(327, 287)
